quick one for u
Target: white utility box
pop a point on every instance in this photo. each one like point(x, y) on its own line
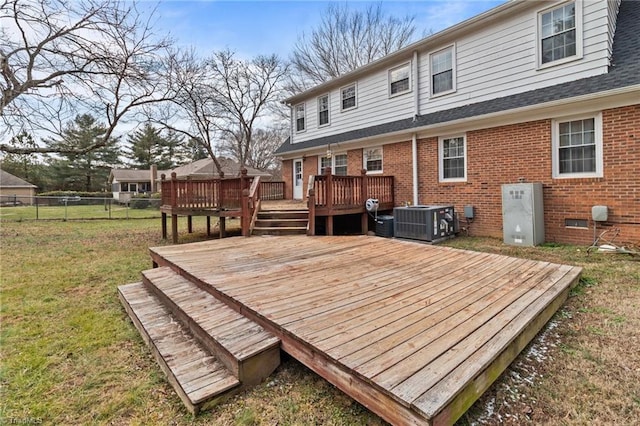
point(522, 214)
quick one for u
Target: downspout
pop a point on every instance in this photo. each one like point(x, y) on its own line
point(414, 137)
point(414, 160)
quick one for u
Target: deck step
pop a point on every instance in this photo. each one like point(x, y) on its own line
point(250, 352)
point(282, 222)
point(200, 379)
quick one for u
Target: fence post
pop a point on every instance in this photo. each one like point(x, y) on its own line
point(37, 211)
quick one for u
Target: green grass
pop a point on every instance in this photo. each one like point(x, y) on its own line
point(74, 212)
point(69, 354)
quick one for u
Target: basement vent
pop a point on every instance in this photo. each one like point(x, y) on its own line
point(576, 223)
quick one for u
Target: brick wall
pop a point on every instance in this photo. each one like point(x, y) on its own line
point(506, 154)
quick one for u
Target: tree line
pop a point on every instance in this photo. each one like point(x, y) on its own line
point(80, 72)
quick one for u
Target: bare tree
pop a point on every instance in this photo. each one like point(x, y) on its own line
point(59, 59)
point(222, 98)
point(260, 155)
point(346, 39)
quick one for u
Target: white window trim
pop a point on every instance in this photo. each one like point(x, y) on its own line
point(454, 66)
point(555, 143)
point(355, 85)
point(441, 177)
point(579, 36)
point(295, 117)
point(328, 110)
point(333, 161)
point(393, 95)
point(364, 161)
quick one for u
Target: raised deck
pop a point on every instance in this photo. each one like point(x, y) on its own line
point(416, 333)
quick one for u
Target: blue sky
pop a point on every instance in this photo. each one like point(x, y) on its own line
point(263, 27)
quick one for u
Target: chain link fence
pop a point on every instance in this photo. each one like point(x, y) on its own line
point(19, 208)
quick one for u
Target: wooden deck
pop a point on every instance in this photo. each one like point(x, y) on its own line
point(414, 332)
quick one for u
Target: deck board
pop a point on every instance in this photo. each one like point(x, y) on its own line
point(409, 330)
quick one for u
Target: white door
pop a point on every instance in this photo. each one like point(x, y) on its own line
point(297, 179)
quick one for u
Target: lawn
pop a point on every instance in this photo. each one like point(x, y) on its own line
point(69, 354)
point(74, 212)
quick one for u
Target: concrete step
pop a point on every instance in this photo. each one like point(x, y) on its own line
point(199, 378)
point(245, 348)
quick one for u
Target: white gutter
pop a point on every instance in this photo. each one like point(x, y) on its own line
point(414, 161)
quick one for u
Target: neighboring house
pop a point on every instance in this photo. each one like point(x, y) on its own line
point(127, 183)
point(14, 190)
point(205, 168)
point(529, 91)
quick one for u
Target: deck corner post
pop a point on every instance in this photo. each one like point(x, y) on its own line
point(164, 225)
point(174, 228)
point(311, 206)
point(174, 178)
point(245, 218)
point(329, 201)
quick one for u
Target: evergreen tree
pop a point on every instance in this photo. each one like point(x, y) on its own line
point(196, 150)
point(145, 147)
point(173, 151)
point(87, 171)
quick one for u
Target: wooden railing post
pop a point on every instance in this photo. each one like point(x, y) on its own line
point(245, 219)
point(364, 221)
point(311, 204)
point(329, 200)
point(174, 179)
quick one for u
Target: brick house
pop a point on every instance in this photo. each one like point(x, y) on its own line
point(543, 92)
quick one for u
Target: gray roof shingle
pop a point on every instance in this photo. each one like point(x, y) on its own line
point(625, 71)
point(7, 180)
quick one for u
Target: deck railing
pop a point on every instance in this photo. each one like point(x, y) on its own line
point(330, 194)
point(217, 194)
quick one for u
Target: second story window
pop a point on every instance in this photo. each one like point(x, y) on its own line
point(348, 95)
point(399, 80)
point(442, 71)
point(300, 125)
point(323, 110)
point(558, 33)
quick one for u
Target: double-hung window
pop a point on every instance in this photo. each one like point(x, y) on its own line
point(453, 159)
point(348, 97)
point(299, 111)
point(400, 80)
point(323, 110)
point(560, 34)
point(338, 164)
point(443, 71)
point(373, 159)
point(577, 147)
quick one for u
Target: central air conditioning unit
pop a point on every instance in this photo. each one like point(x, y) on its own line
point(425, 223)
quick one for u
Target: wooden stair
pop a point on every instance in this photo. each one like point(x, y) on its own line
point(207, 350)
point(282, 222)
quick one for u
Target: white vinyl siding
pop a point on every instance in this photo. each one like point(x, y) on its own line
point(452, 153)
point(577, 147)
point(443, 71)
point(501, 59)
point(323, 110)
point(613, 7)
point(300, 118)
point(372, 160)
point(400, 80)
